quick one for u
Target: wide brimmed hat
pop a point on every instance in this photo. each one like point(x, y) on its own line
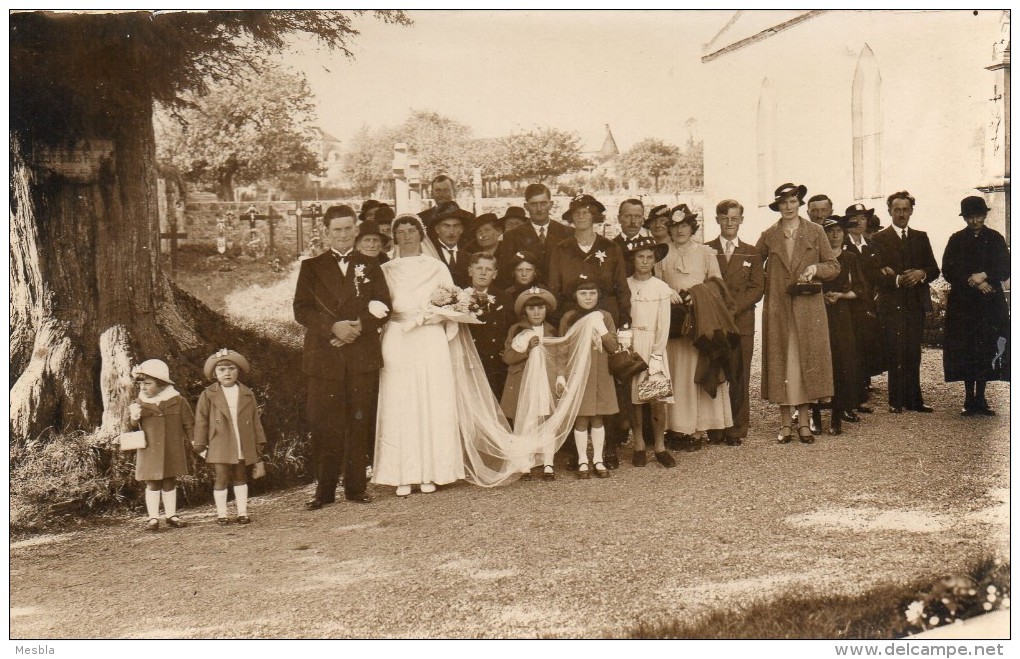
point(859, 210)
point(225, 355)
point(584, 201)
point(385, 214)
point(514, 213)
point(523, 256)
point(450, 210)
point(369, 228)
point(787, 189)
point(534, 293)
point(647, 242)
point(973, 206)
point(683, 215)
point(489, 218)
point(367, 206)
point(154, 368)
point(657, 212)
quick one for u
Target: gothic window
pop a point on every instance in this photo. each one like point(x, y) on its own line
point(867, 127)
point(766, 143)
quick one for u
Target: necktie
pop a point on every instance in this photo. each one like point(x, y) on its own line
point(903, 234)
point(729, 250)
point(541, 235)
point(451, 255)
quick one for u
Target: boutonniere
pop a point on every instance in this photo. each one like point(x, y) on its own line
point(359, 278)
point(601, 256)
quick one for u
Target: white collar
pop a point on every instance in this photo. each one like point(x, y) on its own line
point(449, 249)
point(541, 226)
point(162, 396)
point(345, 255)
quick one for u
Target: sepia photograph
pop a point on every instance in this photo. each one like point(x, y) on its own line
point(489, 324)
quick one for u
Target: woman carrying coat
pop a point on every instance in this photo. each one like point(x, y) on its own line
point(796, 360)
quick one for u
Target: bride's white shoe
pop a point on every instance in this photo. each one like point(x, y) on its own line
point(428, 488)
point(403, 490)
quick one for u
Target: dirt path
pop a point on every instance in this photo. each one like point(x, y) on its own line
point(898, 496)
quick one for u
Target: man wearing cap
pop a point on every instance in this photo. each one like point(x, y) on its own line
point(863, 310)
point(632, 217)
point(538, 236)
point(342, 301)
point(496, 315)
point(819, 208)
point(744, 273)
point(908, 265)
point(450, 226)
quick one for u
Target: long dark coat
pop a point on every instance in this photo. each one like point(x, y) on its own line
point(168, 426)
point(602, 264)
point(864, 310)
point(975, 322)
point(802, 314)
point(848, 391)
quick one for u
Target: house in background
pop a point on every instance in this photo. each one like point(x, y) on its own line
point(857, 105)
point(331, 158)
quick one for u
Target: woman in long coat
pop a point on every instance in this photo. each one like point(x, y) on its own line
point(796, 360)
point(975, 263)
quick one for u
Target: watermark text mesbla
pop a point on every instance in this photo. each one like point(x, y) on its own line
point(919, 650)
point(33, 649)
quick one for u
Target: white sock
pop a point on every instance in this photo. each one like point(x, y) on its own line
point(547, 455)
point(598, 442)
point(241, 499)
point(170, 502)
point(220, 497)
point(581, 442)
point(152, 503)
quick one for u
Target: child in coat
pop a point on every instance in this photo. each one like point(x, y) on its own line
point(166, 419)
point(531, 307)
point(228, 431)
point(599, 397)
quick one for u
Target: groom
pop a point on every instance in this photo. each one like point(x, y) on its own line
point(341, 300)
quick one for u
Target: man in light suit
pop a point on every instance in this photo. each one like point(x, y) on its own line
point(908, 265)
point(341, 300)
point(744, 273)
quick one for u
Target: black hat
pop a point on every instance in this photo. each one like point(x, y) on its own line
point(369, 228)
point(682, 215)
point(384, 214)
point(367, 206)
point(490, 218)
point(522, 256)
point(583, 201)
point(858, 210)
point(834, 221)
point(647, 242)
point(451, 210)
point(787, 189)
point(514, 212)
point(656, 213)
point(973, 206)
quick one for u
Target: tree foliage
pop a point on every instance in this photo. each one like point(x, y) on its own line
point(243, 131)
point(540, 154)
point(648, 160)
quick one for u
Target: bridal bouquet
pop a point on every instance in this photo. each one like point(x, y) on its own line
point(449, 303)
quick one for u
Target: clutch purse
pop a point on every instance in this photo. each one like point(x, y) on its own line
point(655, 387)
point(625, 364)
point(805, 288)
point(132, 441)
point(259, 470)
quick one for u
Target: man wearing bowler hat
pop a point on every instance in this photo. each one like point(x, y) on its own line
point(908, 265)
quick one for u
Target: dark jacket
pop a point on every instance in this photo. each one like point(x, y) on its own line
point(524, 239)
point(715, 336)
point(900, 257)
point(602, 264)
point(744, 275)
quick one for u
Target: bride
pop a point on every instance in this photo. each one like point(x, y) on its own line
point(438, 421)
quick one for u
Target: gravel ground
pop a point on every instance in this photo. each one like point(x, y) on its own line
point(894, 498)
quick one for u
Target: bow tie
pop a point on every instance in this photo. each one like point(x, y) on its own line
point(342, 259)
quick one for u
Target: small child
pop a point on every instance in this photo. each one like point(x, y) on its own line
point(524, 270)
point(166, 419)
point(531, 308)
point(228, 432)
point(599, 397)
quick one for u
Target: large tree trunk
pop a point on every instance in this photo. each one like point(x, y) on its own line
point(88, 295)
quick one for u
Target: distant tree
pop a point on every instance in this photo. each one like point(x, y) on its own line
point(648, 160)
point(689, 171)
point(243, 131)
point(368, 159)
point(88, 292)
point(541, 154)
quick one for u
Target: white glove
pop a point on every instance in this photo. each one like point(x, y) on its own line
point(135, 411)
point(521, 341)
point(655, 364)
point(451, 330)
point(599, 325)
point(561, 385)
point(378, 309)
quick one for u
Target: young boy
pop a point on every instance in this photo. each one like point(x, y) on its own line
point(228, 431)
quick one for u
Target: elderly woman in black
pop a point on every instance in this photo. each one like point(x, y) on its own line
point(976, 263)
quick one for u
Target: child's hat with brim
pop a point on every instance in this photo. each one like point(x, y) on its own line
point(154, 368)
point(534, 295)
point(225, 355)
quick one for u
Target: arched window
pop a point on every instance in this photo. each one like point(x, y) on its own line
point(766, 143)
point(867, 127)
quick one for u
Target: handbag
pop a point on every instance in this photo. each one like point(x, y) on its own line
point(805, 288)
point(655, 387)
point(625, 364)
point(681, 322)
point(132, 441)
point(259, 470)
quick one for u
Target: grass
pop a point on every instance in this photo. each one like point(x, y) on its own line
point(876, 614)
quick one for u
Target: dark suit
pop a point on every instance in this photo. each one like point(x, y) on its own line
point(744, 275)
point(525, 239)
point(867, 332)
point(490, 337)
point(901, 310)
point(343, 383)
point(459, 270)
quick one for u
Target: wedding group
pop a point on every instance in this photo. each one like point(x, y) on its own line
point(443, 346)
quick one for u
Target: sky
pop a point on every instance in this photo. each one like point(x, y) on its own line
point(505, 71)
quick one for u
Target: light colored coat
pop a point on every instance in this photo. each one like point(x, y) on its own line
point(802, 314)
point(215, 431)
